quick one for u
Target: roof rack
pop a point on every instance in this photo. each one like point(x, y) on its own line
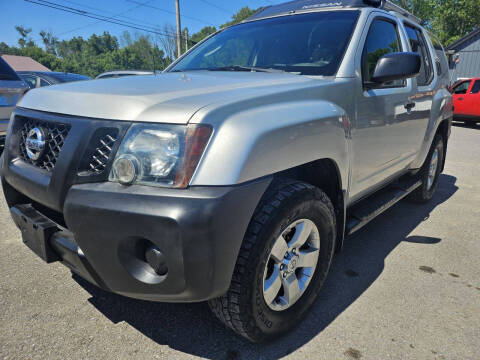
point(306, 5)
point(389, 6)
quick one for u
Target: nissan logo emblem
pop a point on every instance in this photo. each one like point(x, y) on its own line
point(35, 143)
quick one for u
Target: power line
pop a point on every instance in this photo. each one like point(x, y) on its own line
point(98, 22)
point(98, 17)
point(216, 6)
point(111, 12)
point(171, 12)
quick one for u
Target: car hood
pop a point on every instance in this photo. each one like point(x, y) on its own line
point(166, 98)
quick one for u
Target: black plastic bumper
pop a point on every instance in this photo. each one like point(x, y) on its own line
point(199, 231)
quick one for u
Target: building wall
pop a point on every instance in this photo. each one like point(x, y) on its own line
point(469, 65)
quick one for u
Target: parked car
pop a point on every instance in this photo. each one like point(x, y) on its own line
point(36, 79)
point(235, 176)
point(12, 89)
point(122, 73)
point(466, 100)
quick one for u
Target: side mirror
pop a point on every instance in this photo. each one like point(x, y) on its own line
point(396, 66)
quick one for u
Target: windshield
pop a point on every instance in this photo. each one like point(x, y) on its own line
point(306, 44)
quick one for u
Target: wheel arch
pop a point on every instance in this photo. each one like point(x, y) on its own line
point(444, 129)
point(324, 174)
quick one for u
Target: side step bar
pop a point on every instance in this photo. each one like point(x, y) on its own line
point(368, 209)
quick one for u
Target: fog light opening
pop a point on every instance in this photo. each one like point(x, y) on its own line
point(155, 258)
point(143, 260)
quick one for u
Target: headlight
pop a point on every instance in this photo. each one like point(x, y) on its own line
point(159, 155)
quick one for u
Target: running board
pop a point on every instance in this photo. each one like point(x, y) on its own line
point(368, 209)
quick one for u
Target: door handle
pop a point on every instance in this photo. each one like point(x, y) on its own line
point(409, 106)
point(460, 99)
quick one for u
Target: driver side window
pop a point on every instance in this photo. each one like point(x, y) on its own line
point(382, 39)
point(462, 88)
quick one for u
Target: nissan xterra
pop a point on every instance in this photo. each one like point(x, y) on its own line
point(234, 176)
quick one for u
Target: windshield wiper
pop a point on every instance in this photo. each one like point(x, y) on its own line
point(245, 68)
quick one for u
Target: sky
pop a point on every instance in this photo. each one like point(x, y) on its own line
point(195, 15)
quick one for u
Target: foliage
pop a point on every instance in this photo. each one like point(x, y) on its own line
point(24, 39)
point(202, 34)
point(449, 20)
point(422, 9)
point(49, 41)
point(454, 19)
point(239, 16)
point(94, 55)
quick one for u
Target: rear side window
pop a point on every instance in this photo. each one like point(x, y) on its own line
point(30, 80)
point(419, 45)
point(462, 87)
point(382, 39)
point(6, 72)
point(476, 87)
point(441, 61)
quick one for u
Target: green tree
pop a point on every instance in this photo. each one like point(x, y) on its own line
point(239, 16)
point(422, 9)
point(453, 19)
point(202, 34)
point(92, 56)
point(24, 40)
point(449, 20)
point(49, 41)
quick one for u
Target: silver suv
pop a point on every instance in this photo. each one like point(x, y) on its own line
point(235, 176)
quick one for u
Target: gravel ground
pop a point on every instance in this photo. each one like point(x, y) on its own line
point(407, 286)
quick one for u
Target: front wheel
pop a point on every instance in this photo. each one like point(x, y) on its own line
point(282, 264)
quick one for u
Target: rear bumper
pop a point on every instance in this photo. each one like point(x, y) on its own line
point(199, 230)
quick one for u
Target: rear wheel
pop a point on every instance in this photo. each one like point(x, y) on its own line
point(282, 264)
point(430, 172)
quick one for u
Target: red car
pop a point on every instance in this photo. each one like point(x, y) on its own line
point(466, 100)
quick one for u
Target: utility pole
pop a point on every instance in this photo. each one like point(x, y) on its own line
point(179, 29)
point(186, 39)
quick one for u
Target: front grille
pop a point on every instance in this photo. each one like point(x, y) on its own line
point(100, 151)
point(55, 134)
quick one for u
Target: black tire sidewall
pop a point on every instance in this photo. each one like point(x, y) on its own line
point(303, 206)
point(427, 194)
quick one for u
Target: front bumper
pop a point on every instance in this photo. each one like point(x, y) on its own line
point(199, 230)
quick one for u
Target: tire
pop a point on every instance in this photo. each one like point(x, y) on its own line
point(426, 191)
point(244, 308)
